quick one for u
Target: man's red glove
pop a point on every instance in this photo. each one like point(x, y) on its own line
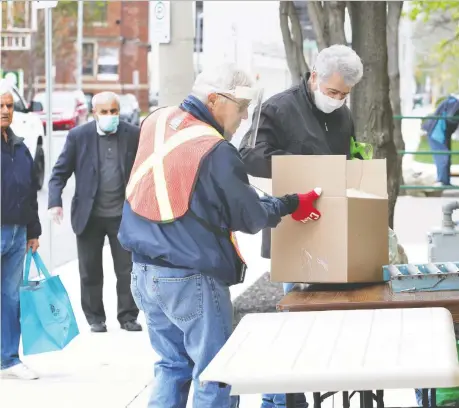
point(306, 210)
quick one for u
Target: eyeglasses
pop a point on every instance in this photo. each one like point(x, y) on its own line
point(242, 106)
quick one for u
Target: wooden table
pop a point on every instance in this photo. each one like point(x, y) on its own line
point(365, 296)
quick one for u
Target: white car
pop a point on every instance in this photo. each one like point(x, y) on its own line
point(29, 126)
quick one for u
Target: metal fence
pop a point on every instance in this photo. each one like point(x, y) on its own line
point(426, 153)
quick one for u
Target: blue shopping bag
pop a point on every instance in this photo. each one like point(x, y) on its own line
point(47, 319)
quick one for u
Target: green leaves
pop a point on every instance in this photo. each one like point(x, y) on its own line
point(444, 17)
point(424, 9)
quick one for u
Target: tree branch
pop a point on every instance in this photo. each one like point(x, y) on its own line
point(293, 40)
point(320, 23)
point(449, 41)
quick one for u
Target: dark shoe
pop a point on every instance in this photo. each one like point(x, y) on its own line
point(131, 325)
point(98, 327)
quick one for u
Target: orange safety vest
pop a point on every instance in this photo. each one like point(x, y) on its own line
point(172, 145)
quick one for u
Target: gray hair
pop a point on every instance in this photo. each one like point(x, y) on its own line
point(5, 88)
point(342, 60)
point(105, 97)
point(220, 79)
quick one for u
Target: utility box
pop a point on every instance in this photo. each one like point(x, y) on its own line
point(443, 243)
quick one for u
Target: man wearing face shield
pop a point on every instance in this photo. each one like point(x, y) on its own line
point(100, 154)
point(187, 196)
point(311, 119)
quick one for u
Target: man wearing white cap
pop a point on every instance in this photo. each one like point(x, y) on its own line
point(187, 195)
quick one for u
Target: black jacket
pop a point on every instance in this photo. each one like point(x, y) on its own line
point(290, 123)
point(19, 186)
point(80, 156)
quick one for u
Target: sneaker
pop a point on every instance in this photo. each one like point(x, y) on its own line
point(18, 372)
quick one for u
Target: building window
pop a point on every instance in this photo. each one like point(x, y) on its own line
point(107, 63)
point(89, 59)
point(98, 10)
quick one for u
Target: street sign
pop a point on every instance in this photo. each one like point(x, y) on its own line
point(161, 32)
point(44, 4)
point(14, 77)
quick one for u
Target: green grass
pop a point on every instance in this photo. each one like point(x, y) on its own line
point(425, 158)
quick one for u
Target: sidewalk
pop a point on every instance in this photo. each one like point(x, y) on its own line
point(95, 370)
point(115, 369)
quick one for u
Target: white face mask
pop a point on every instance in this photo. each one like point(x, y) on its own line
point(325, 103)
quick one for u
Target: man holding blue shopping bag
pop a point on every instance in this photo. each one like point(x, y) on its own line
point(20, 229)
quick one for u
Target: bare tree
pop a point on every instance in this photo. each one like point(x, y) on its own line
point(328, 21)
point(394, 12)
point(371, 104)
point(374, 32)
point(293, 41)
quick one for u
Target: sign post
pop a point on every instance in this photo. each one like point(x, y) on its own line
point(80, 47)
point(162, 22)
point(174, 27)
point(48, 8)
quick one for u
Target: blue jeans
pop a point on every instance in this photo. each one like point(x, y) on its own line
point(278, 400)
point(189, 318)
point(12, 253)
point(442, 162)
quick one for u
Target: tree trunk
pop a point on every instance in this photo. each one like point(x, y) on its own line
point(371, 105)
point(336, 10)
point(328, 21)
point(320, 23)
point(394, 12)
point(293, 41)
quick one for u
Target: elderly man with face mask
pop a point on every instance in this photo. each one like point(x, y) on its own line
point(187, 195)
point(100, 154)
point(20, 230)
point(311, 119)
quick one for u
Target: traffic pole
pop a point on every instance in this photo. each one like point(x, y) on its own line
point(79, 64)
point(49, 111)
point(176, 67)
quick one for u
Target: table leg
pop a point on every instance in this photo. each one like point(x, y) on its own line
point(367, 399)
point(433, 398)
point(289, 400)
point(380, 399)
point(425, 398)
point(346, 401)
point(317, 400)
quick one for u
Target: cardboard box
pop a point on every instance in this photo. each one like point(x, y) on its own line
point(349, 243)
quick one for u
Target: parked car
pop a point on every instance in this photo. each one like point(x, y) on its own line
point(129, 109)
point(29, 126)
point(70, 109)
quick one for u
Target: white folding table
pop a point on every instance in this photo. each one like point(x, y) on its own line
point(338, 351)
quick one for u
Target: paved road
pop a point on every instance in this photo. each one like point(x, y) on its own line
point(62, 241)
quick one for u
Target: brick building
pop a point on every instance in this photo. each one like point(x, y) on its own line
point(115, 50)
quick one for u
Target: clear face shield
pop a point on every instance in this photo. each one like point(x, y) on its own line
point(246, 116)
